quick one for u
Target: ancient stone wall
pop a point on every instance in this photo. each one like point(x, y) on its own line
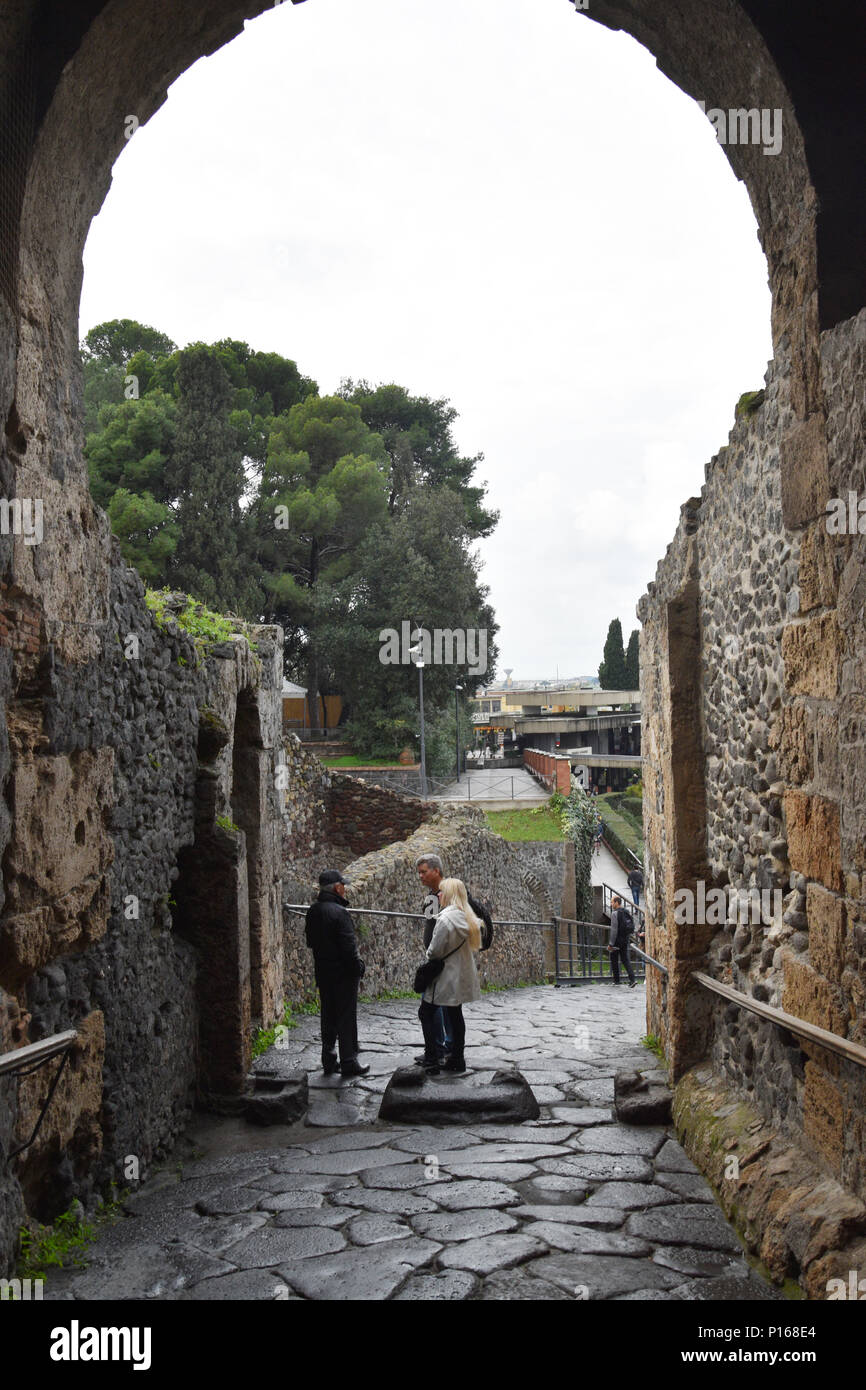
point(387, 878)
point(118, 770)
point(754, 720)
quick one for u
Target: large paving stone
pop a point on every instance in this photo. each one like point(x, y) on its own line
point(692, 1187)
point(376, 1229)
point(365, 1275)
point(463, 1225)
point(425, 1141)
point(532, 1132)
point(346, 1161)
point(548, 1095)
point(694, 1263)
point(354, 1139)
point(513, 1286)
point(487, 1253)
point(303, 1182)
point(290, 1201)
point(605, 1218)
point(601, 1276)
point(602, 1167)
point(583, 1116)
point(403, 1175)
point(551, 1189)
point(595, 1092)
point(215, 1234)
point(673, 1159)
point(273, 1245)
point(248, 1284)
point(500, 1153)
point(327, 1114)
point(395, 1203)
point(610, 1139)
point(498, 1172)
point(689, 1223)
point(639, 1101)
point(414, 1097)
point(316, 1216)
point(463, 1196)
point(450, 1286)
point(229, 1203)
point(586, 1240)
point(631, 1196)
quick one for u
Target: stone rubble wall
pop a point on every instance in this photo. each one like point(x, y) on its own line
point(103, 757)
point(392, 948)
point(753, 660)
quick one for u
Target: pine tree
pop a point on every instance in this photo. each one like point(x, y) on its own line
point(632, 662)
point(612, 671)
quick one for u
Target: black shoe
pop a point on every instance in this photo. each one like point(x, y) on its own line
point(455, 1064)
point(330, 1066)
point(353, 1069)
point(632, 984)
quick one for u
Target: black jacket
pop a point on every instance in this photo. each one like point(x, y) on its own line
point(330, 933)
point(619, 935)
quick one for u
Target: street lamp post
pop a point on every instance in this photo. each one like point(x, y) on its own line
point(457, 726)
point(420, 664)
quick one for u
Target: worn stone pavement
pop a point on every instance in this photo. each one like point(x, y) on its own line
point(338, 1206)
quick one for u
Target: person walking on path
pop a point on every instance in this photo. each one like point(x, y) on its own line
point(635, 883)
point(456, 938)
point(330, 934)
point(621, 926)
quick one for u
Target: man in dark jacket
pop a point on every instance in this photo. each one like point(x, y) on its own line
point(620, 930)
point(330, 934)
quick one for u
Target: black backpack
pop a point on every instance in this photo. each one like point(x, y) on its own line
point(625, 920)
point(482, 912)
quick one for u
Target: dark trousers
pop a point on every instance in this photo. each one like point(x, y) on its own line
point(616, 953)
point(339, 996)
point(456, 1026)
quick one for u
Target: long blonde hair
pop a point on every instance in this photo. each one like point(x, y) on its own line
point(453, 894)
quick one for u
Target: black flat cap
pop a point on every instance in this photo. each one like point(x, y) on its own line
point(330, 877)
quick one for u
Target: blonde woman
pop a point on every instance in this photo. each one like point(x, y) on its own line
point(456, 937)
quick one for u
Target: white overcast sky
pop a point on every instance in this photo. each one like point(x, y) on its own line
point(497, 201)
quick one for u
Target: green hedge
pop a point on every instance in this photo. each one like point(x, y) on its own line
point(622, 832)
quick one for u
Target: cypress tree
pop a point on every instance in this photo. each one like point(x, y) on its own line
point(612, 671)
point(632, 662)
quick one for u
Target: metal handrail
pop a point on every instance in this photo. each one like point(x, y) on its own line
point(422, 917)
point(26, 1060)
point(854, 1052)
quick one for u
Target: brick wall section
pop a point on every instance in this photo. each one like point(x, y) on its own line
point(553, 770)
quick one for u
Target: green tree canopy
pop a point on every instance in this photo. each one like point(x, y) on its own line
point(115, 341)
point(632, 661)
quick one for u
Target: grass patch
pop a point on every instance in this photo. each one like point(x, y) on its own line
point(538, 823)
point(387, 994)
point(206, 628)
point(292, 1015)
point(654, 1044)
point(63, 1244)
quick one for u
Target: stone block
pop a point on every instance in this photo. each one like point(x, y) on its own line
point(478, 1098)
point(823, 1115)
point(811, 654)
point(275, 1100)
point(807, 995)
point(827, 918)
point(814, 839)
point(817, 576)
point(804, 472)
point(640, 1102)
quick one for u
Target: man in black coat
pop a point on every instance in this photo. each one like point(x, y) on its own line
point(620, 930)
point(330, 934)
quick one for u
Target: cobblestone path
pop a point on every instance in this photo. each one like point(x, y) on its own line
point(573, 1206)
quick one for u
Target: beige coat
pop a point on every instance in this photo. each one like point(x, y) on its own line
point(458, 983)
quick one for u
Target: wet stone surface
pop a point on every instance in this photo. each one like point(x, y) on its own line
point(341, 1205)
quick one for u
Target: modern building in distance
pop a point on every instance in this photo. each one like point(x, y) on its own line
point(599, 729)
